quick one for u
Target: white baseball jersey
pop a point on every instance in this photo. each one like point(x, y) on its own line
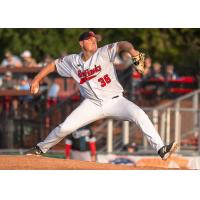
point(96, 77)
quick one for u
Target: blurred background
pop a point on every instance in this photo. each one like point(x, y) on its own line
point(168, 92)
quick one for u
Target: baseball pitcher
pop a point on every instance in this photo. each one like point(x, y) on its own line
point(94, 72)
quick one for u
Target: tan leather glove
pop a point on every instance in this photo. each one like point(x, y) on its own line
point(139, 62)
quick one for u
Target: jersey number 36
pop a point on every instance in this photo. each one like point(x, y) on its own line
point(104, 80)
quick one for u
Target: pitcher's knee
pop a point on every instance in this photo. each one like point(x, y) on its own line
point(64, 131)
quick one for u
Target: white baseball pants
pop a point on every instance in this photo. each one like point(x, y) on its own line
point(87, 112)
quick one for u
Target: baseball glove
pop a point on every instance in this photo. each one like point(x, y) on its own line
point(138, 62)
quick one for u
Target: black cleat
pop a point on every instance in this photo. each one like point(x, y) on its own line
point(166, 151)
point(34, 151)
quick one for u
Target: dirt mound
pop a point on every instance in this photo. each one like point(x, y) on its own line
point(45, 163)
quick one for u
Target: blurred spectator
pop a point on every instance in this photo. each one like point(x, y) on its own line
point(169, 73)
point(148, 68)
point(81, 145)
point(53, 90)
point(148, 71)
point(52, 97)
point(24, 100)
point(157, 71)
point(24, 85)
point(11, 60)
point(47, 60)
point(28, 60)
point(8, 102)
point(158, 89)
point(8, 82)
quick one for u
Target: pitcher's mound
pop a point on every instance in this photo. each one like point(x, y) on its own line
point(41, 163)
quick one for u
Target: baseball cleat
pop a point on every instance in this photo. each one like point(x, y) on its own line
point(34, 151)
point(166, 151)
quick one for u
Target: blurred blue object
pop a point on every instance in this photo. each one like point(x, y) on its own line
point(122, 161)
